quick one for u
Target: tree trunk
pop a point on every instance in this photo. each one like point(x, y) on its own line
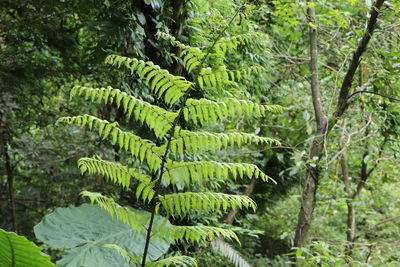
point(351, 212)
point(351, 227)
point(312, 176)
point(10, 183)
point(249, 190)
point(178, 16)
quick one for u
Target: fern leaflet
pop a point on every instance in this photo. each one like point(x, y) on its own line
point(160, 81)
point(181, 203)
point(197, 142)
point(116, 172)
point(233, 42)
point(216, 79)
point(197, 171)
point(200, 233)
point(141, 149)
point(156, 118)
point(124, 214)
point(192, 56)
point(204, 110)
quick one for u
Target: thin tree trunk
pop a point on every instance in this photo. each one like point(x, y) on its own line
point(351, 212)
point(249, 190)
point(316, 149)
point(365, 173)
point(178, 16)
point(351, 209)
point(10, 182)
point(312, 176)
point(351, 228)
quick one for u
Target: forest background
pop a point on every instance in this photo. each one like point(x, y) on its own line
point(333, 65)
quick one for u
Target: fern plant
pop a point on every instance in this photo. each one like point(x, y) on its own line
point(164, 162)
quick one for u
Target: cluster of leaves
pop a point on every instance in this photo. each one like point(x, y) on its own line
point(322, 254)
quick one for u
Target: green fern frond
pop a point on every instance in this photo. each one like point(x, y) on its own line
point(181, 203)
point(158, 119)
point(123, 214)
point(197, 142)
point(233, 42)
point(130, 258)
point(204, 110)
point(192, 56)
point(218, 245)
point(116, 172)
point(160, 81)
point(199, 171)
point(173, 261)
point(222, 76)
point(200, 233)
point(142, 149)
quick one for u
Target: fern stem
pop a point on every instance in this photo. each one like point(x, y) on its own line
point(154, 201)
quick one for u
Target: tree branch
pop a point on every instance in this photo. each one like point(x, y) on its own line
point(364, 173)
point(374, 93)
point(362, 46)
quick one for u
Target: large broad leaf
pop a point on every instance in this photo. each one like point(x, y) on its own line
point(17, 251)
point(83, 231)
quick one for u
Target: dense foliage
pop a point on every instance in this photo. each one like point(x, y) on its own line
point(211, 96)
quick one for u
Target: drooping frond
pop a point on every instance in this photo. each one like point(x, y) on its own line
point(160, 81)
point(142, 149)
point(130, 258)
point(222, 76)
point(192, 56)
point(199, 233)
point(156, 118)
point(116, 172)
point(231, 43)
point(183, 261)
point(218, 245)
point(181, 203)
point(123, 214)
point(197, 142)
point(204, 110)
point(198, 171)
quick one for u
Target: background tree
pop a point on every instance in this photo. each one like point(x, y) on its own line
point(48, 47)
